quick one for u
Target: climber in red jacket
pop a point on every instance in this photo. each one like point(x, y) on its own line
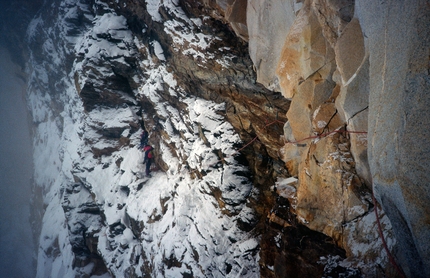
point(149, 157)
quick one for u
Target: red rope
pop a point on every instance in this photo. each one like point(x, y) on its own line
point(325, 135)
point(275, 121)
point(384, 243)
point(249, 143)
point(294, 142)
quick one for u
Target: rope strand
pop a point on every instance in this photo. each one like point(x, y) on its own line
point(384, 243)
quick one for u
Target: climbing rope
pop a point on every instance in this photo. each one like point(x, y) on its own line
point(249, 143)
point(384, 243)
point(288, 142)
point(322, 135)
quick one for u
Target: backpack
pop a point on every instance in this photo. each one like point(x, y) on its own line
point(148, 153)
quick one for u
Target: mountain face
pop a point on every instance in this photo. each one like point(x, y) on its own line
point(273, 124)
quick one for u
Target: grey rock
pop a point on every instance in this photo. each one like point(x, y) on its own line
point(268, 25)
point(397, 37)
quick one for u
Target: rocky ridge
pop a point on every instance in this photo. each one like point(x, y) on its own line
point(298, 197)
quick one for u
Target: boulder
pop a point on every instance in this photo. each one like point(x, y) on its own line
point(290, 154)
point(299, 114)
point(349, 50)
point(236, 15)
point(358, 138)
point(352, 105)
point(326, 118)
point(310, 94)
point(333, 16)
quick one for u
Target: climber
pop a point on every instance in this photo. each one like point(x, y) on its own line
point(148, 158)
point(143, 139)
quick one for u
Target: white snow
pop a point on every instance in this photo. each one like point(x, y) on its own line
point(287, 189)
point(112, 24)
point(158, 51)
point(152, 7)
point(191, 41)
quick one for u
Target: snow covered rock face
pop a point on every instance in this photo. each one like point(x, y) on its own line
point(98, 75)
point(86, 87)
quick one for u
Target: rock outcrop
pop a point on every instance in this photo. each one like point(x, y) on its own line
point(98, 76)
point(268, 24)
point(323, 68)
point(353, 69)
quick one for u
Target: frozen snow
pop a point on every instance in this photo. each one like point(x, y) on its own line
point(190, 42)
point(321, 124)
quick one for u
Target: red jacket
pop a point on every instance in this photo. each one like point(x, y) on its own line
point(148, 151)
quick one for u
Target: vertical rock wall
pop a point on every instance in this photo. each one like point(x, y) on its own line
point(352, 68)
point(398, 43)
point(323, 69)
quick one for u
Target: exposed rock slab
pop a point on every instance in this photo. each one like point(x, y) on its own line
point(397, 36)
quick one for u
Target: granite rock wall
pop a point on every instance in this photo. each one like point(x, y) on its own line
point(357, 75)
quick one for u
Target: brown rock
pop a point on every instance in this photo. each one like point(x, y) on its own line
point(326, 118)
point(291, 155)
point(303, 53)
point(352, 105)
point(236, 15)
point(333, 16)
point(310, 95)
point(327, 191)
point(273, 218)
point(299, 114)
